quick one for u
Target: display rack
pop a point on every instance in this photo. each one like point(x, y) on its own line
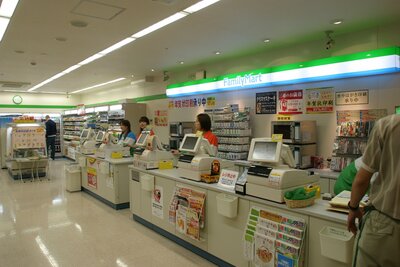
point(233, 129)
point(352, 132)
point(73, 124)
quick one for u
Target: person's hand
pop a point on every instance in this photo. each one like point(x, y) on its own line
point(175, 152)
point(351, 220)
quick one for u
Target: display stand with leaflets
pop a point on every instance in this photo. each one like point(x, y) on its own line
point(274, 239)
point(26, 150)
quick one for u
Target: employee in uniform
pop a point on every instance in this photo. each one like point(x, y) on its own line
point(144, 125)
point(127, 137)
point(203, 128)
point(51, 132)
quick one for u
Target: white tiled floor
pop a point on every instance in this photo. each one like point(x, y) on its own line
point(43, 225)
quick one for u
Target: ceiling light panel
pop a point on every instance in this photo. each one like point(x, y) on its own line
point(160, 24)
point(7, 7)
point(3, 26)
point(97, 85)
point(117, 46)
point(200, 5)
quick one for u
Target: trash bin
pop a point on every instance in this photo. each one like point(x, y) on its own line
point(336, 244)
point(73, 177)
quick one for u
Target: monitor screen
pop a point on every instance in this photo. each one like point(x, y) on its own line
point(85, 134)
point(264, 150)
point(142, 139)
point(190, 143)
point(397, 110)
point(100, 136)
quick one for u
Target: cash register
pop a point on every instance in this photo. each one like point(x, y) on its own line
point(272, 172)
point(88, 144)
point(110, 148)
point(197, 158)
point(149, 152)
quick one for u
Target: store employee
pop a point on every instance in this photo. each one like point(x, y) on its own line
point(203, 128)
point(127, 137)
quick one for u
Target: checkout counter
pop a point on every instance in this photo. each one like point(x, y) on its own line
point(221, 239)
point(104, 165)
point(149, 152)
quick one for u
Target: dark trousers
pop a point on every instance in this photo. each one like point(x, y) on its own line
point(51, 146)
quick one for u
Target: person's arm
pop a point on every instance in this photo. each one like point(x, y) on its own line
point(358, 190)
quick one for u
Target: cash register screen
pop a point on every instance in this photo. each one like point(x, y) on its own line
point(85, 134)
point(190, 143)
point(264, 150)
point(142, 139)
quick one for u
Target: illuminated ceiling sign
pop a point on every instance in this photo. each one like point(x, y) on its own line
point(380, 61)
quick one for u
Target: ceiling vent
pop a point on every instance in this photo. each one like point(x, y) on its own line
point(13, 85)
point(166, 2)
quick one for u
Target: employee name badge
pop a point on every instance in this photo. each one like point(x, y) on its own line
point(277, 137)
point(227, 179)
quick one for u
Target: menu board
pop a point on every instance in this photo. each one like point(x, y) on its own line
point(319, 100)
point(291, 102)
point(266, 103)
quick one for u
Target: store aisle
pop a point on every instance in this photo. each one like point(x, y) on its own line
point(43, 225)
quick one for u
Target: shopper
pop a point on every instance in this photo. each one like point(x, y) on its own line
point(378, 241)
point(203, 128)
point(51, 133)
point(127, 137)
point(144, 125)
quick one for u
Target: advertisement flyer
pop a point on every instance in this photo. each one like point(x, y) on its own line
point(290, 102)
point(319, 100)
point(266, 103)
point(157, 202)
point(28, 137)
point(92, 177)
point(161, 118)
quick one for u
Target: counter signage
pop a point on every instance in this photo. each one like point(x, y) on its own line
point(157, 202)
point(92, 172)
point(266, 103)
point(228, 179)
point(193, 102)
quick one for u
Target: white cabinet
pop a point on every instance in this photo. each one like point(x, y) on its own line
point(167, 186)
point(225, 235)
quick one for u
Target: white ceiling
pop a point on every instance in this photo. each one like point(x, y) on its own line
point(231, 26)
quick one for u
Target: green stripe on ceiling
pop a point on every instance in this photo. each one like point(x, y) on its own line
point(318, 62)
point(115, 102)
point(150, 97)
point(135, 100)
point(35, 106)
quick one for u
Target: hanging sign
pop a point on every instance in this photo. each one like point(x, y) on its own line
point(290, 102)
point(266, 103)
point(357, 97)
point(193, 102)
point(319, 100)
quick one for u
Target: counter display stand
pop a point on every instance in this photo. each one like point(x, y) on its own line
point(26, 151)
point(222, 238)
point(72, 128)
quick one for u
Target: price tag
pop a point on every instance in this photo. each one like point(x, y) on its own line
point(228, 179)
point(277, 137)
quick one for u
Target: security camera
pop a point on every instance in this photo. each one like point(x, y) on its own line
point(330, 41)
point(329, 44)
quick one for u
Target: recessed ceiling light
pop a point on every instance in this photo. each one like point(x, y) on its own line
point(19, 51)
point(218, 53)
point(267, 41)
point(79, 23)
point(337, 22)
point(152, 69)
point(61, 39)
point(181, 62)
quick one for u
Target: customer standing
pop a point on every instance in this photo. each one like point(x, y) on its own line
point(51, 132)
point(378, 241)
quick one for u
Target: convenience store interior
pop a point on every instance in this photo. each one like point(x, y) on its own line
point(60, 62)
